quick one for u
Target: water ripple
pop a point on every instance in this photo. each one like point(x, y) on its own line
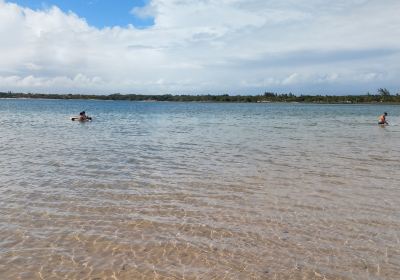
point(198, 191)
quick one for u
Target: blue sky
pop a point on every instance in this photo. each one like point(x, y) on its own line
point(99, 13)
point(200, 46)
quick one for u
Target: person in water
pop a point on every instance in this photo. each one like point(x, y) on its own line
point(82, 116)
point(382, 119)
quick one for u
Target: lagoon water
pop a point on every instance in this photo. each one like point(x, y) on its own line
point(198, 191)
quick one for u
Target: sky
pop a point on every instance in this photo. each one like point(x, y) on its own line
point(98, 13)
point(200, 46)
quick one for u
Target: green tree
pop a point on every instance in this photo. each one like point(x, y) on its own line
point(383, 92)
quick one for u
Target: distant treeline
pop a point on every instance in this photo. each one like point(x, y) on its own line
point(382, 95)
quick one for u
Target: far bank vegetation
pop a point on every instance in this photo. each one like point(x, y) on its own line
point(381, 96)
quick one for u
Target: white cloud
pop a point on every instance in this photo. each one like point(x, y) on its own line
point(145, 12)
point(235, 46)
point(292, 79)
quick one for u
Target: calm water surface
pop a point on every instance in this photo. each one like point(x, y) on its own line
point(198, 191)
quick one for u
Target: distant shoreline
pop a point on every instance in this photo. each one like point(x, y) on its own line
point(265, 98)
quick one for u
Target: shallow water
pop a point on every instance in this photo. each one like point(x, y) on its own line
point(198, 191)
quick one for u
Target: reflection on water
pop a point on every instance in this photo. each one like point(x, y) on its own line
point(198, 191)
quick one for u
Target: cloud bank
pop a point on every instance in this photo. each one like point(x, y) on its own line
point(204, 46)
